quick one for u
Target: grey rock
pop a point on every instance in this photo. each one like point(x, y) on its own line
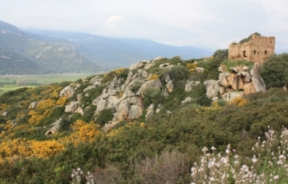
point(149, 111)
point(68, 91)
point(79, 97)
point(246, 76)
point(164, 65)
point(89, 88)
point(135, 112)
point(231, 95)
point(32, 105)
point(55, 127)
point(79, 110)
point(190, 84)
point(257, 79)
point(101, 105)
point(72, 107)
point(155, 84)
point(187, 99)
point(199, 69)
point(4, 114)
point(212, 88)
point(170, 86)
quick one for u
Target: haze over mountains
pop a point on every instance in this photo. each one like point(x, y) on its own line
point(42, 51)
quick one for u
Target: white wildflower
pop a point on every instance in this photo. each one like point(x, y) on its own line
point(254, 159)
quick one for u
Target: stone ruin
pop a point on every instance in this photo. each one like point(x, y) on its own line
point(255, 48)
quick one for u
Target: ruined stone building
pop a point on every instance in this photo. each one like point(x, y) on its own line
point(256, 49)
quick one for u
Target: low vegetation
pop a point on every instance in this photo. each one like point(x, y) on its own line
point(159, 149)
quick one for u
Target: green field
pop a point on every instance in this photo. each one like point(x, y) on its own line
point(13, 82)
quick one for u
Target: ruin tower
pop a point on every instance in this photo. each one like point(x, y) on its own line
point(255, 48)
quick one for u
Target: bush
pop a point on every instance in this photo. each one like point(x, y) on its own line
point(134, 88)
point(178, 73)
point(104, 116)
point(275, 71)
point(152, 95)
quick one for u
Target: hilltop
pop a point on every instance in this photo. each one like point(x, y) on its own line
point(160, 111)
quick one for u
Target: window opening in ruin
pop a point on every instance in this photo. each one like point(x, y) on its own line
point(244, 53)
point(265, 52)
point(254, 52)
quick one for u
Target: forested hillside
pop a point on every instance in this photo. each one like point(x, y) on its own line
point(147, 124)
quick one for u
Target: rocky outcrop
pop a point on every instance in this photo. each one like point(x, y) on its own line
point(4, 114)
point(79, 110)
point(55, 127)
point(71, 108)
point(187, 99)
point(257, 79)
point(138, 65)
point(199, 69)
point(89, 88)
point(231, 95)
point(190, 84)
point(32, 105)
point(68, 92)
point(96, 81)
point(212, 88)
point(151, 84)
point(239, 78)
point(149, 111)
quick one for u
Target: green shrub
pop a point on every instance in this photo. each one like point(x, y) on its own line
point(89, 113)
point(123, 74)
point(178, 73)
point(135, 87)
point(104, 116)
point(275, 71)
point(152, 95)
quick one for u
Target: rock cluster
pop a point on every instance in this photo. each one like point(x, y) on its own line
point(236, 83)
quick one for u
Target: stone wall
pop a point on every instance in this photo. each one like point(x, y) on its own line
point(257, 49)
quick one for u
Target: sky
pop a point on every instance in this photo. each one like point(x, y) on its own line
point(211, 24)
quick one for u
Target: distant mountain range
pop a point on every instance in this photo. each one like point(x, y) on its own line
point(42, 51)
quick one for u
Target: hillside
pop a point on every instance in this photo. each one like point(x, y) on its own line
point(53, 55)
point(14, 63)
point(145, 124)
point(121, 52)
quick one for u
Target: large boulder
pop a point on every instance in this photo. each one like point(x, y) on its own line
point(212, 88)
point(155, 84)
point(246, 76)
point(257, 79)
point(96, 81)
point(32, 105)
point(79, 110)
point(72, 107)
point(137, 65)
point(149, 111)
point(135, 111)
point(55, 127)
point(68, 92)
point(187, 99)
point(249, 88)
point(223, 81)
point(89, 88)
point(170, 86)
point(101, 105)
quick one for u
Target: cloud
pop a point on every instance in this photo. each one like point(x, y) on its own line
point(111, 22)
